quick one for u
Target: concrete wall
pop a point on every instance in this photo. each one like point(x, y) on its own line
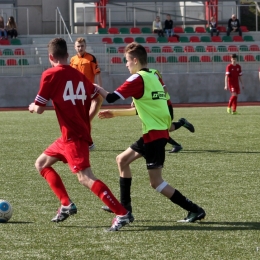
point(42, 15)
point(183, 88)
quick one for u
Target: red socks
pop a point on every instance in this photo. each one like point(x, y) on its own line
point(56, 184)
point(103, 192)
point(233, 103)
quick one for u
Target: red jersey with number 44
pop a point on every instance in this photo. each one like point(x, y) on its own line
point(233, 72)
point(71, 93)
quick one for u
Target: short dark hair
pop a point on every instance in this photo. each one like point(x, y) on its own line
point(234, 56)
point(136, 50)
point(58, 48)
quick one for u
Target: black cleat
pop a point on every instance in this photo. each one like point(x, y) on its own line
point(187, 124)
point(176, 149)
point(194, 216)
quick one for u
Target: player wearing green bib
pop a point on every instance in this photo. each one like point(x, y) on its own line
point(151, 105)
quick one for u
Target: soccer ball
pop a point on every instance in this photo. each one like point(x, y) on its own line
point(6, 211)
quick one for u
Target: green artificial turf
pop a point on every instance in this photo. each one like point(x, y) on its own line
point(218, 169)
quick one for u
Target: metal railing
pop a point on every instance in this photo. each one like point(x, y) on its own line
point(140, 15)
point(60, 20)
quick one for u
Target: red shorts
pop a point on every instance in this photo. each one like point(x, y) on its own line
point(234, 89)
point(75, 153)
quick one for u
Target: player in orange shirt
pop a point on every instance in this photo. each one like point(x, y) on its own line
point(87, 64)
point(232, 78)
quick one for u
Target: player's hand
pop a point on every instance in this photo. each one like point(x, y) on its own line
point(242, 86)
point(31, 107)
point(225, 87)
point(105, 114)
point(133, 104)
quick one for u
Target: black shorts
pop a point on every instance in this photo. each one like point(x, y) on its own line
point(153, 152)
point(171, 111)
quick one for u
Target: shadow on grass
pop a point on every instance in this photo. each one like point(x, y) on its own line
point(201, 226)
point(218, 151)
point(209, 226)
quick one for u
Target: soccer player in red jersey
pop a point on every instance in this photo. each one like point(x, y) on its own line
point(71, 93)
point(232, 78)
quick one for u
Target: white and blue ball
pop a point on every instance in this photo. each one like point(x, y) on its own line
point(6, 211)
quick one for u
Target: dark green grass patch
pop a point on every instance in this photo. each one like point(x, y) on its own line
point(218, 169)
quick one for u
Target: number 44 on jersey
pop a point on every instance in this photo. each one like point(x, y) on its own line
point(69, 94)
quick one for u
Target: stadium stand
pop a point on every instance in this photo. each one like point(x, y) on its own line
point(173, 39)
point(167, 49)
point(124, 30)
point(161, 59)
point(116, 60)
point(194, 39)
point(146, 30)
point(189, 49)
point(128, 39)
point(102, 31)
point(107, 40)
point(151, 39)
point(237, 38)
point(135, 30)
point(189, 30)
point(200, 29)
point(113, 30)
point(178, 29)
point(173, 59)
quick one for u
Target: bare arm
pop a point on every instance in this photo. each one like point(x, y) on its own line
point(226, 82)
point(95, 106)
point(37, 109)
point(240, 79)
point(116, 112)
point(98, 80)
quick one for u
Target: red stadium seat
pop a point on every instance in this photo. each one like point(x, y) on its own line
point(167, 49)
point(244, 28)
point(173, 39)
point(4, 42)
point(147, 49)
point(113, 30)
point(200, 29)
point(151, 39)
point(254, 47)
point(216, 39)
point(233, 48)
point(205, 58)
point(121, 49)
point(19, 52)
point(194, 39)
point(107, 40)
point(135, 30)
point(238, 38)
point(226, 58)
point(222, 29)
point(189, 49)
point(178, 30)
point(161, 59)
point(183, 59)
point(116, 60)
point(249, 57)
point(211, 49)
point(128, 39)
point(11, 62)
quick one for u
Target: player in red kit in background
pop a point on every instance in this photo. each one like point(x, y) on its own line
point(232, 78)
point(71, 93)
